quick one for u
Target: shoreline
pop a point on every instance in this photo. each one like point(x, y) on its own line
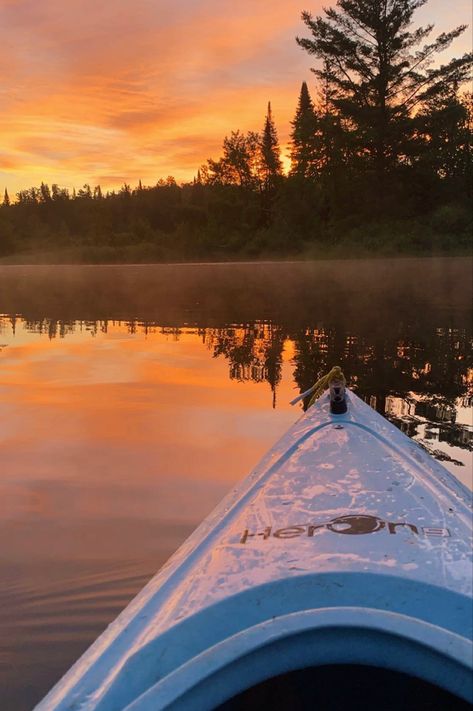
point(54, 260)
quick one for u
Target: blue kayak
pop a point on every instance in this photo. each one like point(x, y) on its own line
point(341, 565)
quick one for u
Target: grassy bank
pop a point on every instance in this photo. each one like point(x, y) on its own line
point(371, 240)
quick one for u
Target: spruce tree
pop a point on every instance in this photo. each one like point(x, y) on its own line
point(380, 70)
point(304, 137)
point(270, 160)
point(6, 199)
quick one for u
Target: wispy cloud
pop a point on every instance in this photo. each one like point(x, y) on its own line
point(128, 89)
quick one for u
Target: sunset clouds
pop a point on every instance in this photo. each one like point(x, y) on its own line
point(122, 90)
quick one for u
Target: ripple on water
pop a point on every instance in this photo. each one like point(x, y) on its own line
point(50, 618)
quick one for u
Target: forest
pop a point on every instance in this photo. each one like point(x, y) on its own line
point(380, 163)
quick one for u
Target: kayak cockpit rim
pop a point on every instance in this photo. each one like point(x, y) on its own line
point(314, 638)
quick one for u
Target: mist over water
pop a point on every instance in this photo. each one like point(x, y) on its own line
point(133, 397)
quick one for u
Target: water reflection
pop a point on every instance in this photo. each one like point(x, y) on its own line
point(422, 383)
point(124, 389)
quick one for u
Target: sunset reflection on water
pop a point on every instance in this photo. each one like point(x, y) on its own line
point(126, 414)
point(113, 448)
point(118, 426)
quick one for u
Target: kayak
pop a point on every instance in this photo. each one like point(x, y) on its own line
point(341, 565)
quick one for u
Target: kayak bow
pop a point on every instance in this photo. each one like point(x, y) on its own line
point(347, 545)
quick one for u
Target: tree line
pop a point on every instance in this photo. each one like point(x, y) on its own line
point(380, 160)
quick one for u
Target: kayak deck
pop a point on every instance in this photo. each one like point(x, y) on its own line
point(347, 530)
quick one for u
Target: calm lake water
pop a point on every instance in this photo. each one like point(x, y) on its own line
point(133, 397)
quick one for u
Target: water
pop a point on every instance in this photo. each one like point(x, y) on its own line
point(133, 397)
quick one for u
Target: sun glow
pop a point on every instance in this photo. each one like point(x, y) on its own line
point(124, 91)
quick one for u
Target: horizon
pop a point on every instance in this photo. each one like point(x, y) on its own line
point(91, 109)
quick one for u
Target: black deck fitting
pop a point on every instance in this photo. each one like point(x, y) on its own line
point(338, 400)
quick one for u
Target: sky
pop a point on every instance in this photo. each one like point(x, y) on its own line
point(113, 91)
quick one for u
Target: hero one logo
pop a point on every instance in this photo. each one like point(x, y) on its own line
point(351, 525)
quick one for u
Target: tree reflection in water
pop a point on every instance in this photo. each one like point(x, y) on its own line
point(416, 383)
point(412, 383)
point(401, 331)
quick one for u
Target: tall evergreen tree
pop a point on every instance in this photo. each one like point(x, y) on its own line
point(335, 151)
point(270, 154)
point(378, 72)
point(6, 199)
point(304, 137)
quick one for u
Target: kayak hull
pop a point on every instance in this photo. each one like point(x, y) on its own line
point(348, 544)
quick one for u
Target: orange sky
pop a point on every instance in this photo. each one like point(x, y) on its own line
point(122, 90)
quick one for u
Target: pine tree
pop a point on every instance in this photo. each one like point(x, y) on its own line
point(336, 161)
point(377, 71)
point(6, 199)
point(270, 168)
point(304, 137)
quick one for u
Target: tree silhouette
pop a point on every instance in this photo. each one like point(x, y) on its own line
point(44, 193)
point(378, 73)
point(304, 137)
point(238, 163)
point(60, 194)
point(443, 123)
point(84, 193)
point(270, 168)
